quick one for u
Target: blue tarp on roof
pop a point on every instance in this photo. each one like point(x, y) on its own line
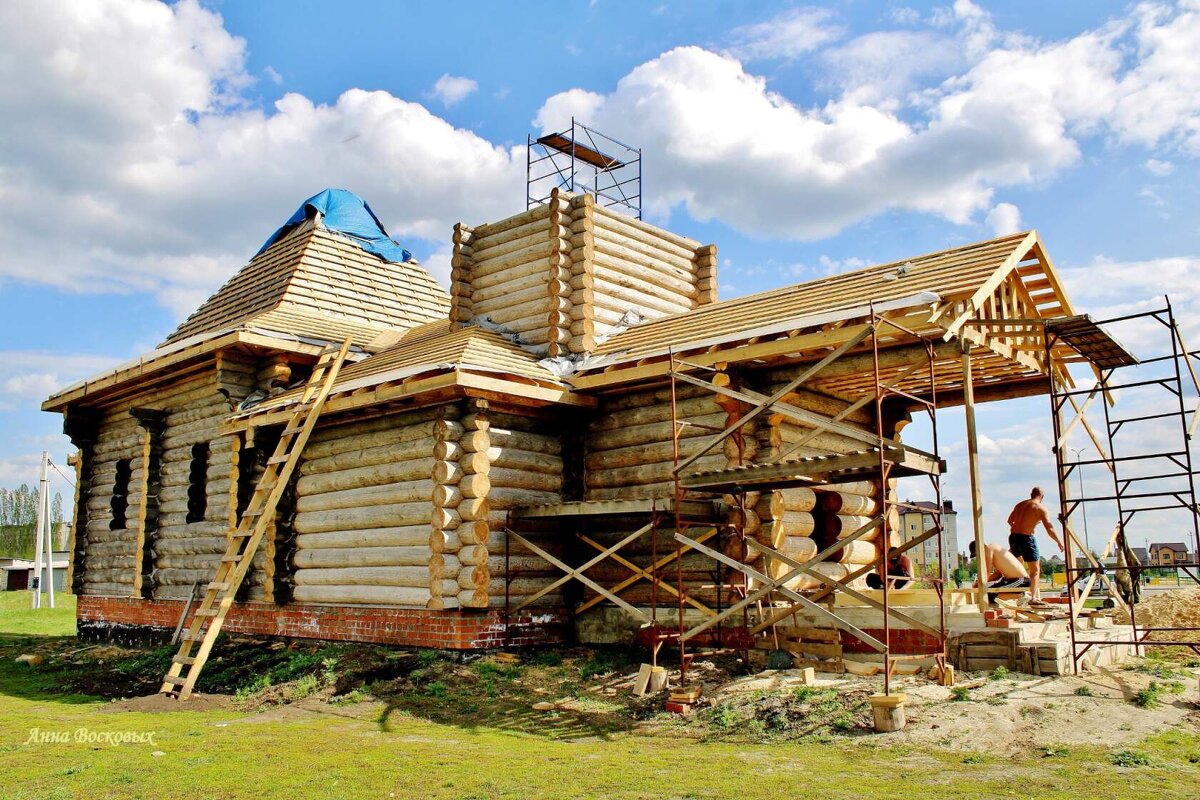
point(347, 213)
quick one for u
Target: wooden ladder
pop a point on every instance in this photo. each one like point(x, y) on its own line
point(245, 539)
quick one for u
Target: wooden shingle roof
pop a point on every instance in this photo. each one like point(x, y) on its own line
point(317, 283)
point(433, 349)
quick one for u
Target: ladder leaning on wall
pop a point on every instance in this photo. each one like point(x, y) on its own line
point(198, 638)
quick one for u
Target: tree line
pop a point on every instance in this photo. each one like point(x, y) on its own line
point(18, 520)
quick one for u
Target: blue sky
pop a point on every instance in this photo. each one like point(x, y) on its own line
point(147, 150)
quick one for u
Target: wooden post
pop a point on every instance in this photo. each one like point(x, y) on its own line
point(973, 466)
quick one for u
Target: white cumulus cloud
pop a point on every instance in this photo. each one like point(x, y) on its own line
point(452, 89)
point(1004, 218)
point(128, 123)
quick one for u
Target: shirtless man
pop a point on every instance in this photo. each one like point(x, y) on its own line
point(1025, 517)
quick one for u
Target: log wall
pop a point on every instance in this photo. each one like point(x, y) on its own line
point(187, 553)
point(629, 448)
point(802, 521)
point(364, 501)
point(561, 276)
point(525, 467)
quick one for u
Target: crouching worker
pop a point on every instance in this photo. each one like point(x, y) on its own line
point(1005, 571)
point(899, 574)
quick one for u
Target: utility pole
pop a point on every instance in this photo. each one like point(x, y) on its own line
point(43, 547)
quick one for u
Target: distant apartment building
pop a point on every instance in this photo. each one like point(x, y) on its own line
point(924, 557)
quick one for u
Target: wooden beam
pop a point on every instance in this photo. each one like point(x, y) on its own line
point(734, 352)
point(973, 469)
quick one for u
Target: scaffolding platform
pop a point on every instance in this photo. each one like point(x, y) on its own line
point(816, 470)
point(692, 510)
point(1091, 341)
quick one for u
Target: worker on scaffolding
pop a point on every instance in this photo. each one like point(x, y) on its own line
point(1022, 522)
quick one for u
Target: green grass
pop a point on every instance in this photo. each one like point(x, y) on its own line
point(352, 750)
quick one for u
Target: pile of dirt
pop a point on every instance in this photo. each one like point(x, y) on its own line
point(1177, 609)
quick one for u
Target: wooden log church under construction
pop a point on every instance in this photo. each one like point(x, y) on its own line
point(578, 441)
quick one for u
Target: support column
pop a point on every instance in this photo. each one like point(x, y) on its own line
point(154, 423)
point(82, 425)
point(461, 285)
point(973, 466)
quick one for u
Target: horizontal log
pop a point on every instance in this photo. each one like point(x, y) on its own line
point(366, 476)
point(853, 504)
point(392, 429)
point(653, 432)
point(364, 576)
point(410, 556)
point(404, 596)
point(473, 598)
point(474, 576)
point(348, 519)
point(444, 566)
point(368, 456)
point(474, 486)
point(509, 439)
point(798, 548)
point(789, 524)
point(616, 418)
point(205, 561)
point(501, 498)
point(387, 536)
point(800, 498)
point(837, 526)
point(392, 493)
point(191, 545)
point(502, 478)
point(525, 461)
point(648, 473)
point(474, 532)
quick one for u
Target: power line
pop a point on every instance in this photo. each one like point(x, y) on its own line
point(61, 473)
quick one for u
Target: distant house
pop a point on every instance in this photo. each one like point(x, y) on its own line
point(1143, 555)
point(1166, 554)
point(16, 574)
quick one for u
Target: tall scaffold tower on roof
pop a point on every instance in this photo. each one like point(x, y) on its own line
point(580, 160)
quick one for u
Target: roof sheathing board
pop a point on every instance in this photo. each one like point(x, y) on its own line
point(948, 273)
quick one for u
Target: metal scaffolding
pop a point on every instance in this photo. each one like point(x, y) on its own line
point(881, 459)
point(1148, 486)
point(581, 159)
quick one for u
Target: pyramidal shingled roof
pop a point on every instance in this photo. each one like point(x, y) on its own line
point(316, 282)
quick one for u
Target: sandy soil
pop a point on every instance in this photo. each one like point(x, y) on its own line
point(1175, 609)
point(1016, 714)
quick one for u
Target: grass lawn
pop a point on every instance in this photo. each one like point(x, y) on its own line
point(346, 751)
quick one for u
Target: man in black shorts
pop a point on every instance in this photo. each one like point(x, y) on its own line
point(1025, 517)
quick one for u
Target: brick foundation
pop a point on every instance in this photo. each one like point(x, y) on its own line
point(905, 641)
point(130, 617)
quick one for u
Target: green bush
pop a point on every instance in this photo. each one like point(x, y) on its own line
point(1130, 758)
point(960, 693)
point(1148, 697)
point(1084, 691)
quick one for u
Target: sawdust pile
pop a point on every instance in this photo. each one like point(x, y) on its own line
point(1175, 609)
